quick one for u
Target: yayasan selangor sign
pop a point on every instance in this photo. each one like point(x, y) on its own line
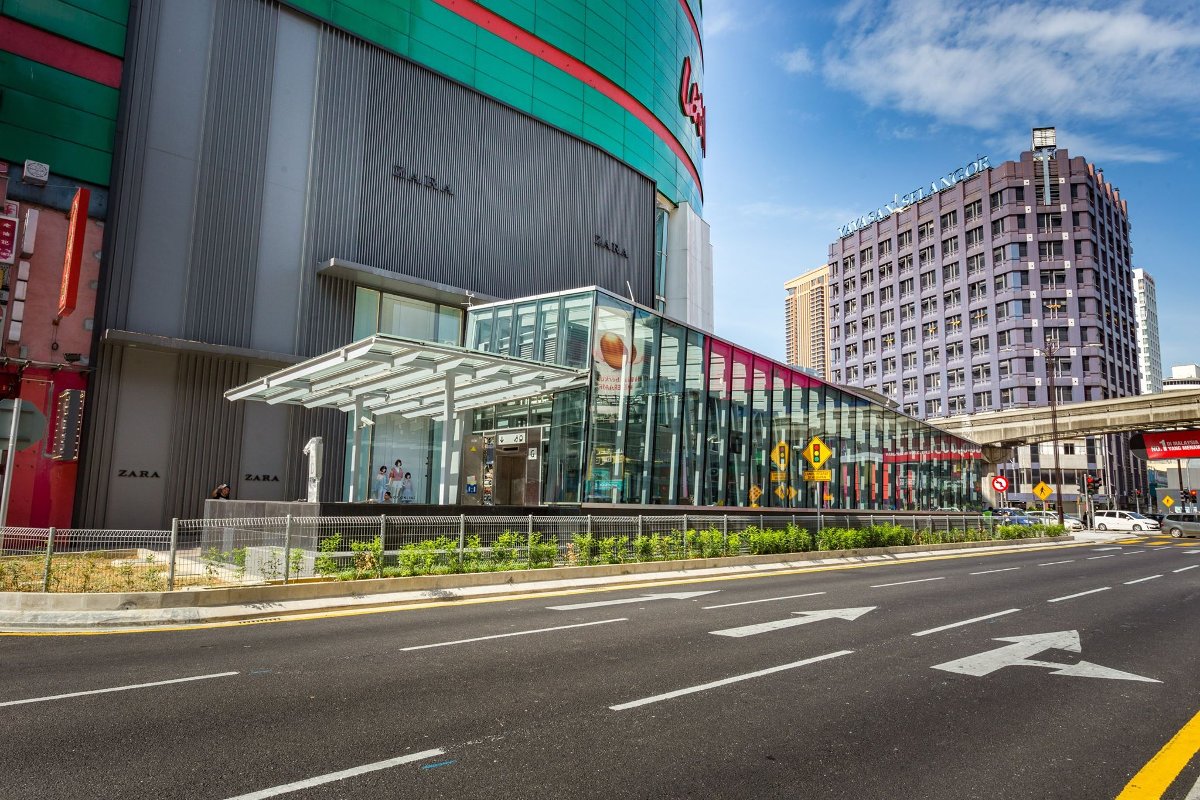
point(899, 202)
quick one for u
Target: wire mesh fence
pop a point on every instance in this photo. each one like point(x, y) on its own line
point(233, 552)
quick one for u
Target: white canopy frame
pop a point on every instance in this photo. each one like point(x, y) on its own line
point(391, 375)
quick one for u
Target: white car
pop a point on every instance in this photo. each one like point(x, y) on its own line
point(1051, 518)
point(1124, 521)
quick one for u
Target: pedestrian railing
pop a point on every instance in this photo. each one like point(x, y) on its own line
point(200, 553)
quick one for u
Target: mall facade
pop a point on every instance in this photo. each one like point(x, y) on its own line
point(288, 177)
point(584, 397)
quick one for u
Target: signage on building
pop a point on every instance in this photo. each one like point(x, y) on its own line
point(1170, 445)
point(73, 259)
point(899, 202)
point(36, 173)
point(8, 239)
point(412, 176)
point(691, 101)
point(137, 473)
point(261, 477)
point(612, 247)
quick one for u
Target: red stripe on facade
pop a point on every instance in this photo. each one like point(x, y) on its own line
point(695, 28)
point(492, 22)
point(55, 51)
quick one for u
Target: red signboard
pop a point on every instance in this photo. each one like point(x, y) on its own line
point(1176, 444)
point(1000, 483)
point(76, 228)
point(8, 240)
point(691, 101)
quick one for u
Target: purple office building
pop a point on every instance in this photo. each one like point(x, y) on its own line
point(947, 298)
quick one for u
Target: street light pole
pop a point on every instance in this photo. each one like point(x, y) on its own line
point(1048, 351)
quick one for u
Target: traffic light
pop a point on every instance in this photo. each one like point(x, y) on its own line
point(1093, 485)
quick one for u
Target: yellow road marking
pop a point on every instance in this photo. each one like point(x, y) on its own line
point(1161, 771)
point(415, 606)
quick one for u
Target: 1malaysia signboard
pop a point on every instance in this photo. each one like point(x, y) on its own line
point(1166, 445)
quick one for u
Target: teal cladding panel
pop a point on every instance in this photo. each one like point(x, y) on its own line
point(639, 45)
point(99, 24)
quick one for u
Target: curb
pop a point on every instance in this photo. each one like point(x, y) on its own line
point(25, 611)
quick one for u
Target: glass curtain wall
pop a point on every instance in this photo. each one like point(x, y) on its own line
point(673, 416)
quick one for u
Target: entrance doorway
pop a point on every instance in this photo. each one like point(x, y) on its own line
point(502, 468)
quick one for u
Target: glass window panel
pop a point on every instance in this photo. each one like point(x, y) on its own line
point(691, 456)
point(641, 395)
point(480, 325)
point(502, 336)
point(526, 329)
point(548, 349)
point(449, 325)
point(407, 317)
point(577, 329)
point(668, 414)
point(366, 312)
point(737, 485)
point(717, 420)
point(611, 370)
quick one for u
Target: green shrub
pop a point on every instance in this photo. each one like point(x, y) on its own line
point(614, 549)
point(368, 558)
point(541, 554)
point(504, 550)
point(325, 564)
point(587, 549)
point(643, 548)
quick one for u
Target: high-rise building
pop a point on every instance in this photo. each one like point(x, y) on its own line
point(984, 287)
point(1145, 309)
point(806, 310)
point(1183, 376)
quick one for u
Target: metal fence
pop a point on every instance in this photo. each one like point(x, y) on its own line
point(232, 552)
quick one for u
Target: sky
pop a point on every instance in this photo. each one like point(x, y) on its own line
point(819, 112)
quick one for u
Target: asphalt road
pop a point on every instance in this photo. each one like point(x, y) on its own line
point(1083, 668)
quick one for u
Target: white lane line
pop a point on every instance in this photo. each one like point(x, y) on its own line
point(1052, 563)
point(1190, 551)
point(901, 583)
point(966, 622)
point(990, 571)
point(1185, 569)
point(1132, 552)
point(726, 681)
point(1110, 555)
point(340, 775)
point(514, 633)
point(117, 689)
point(1079, 594)
point(1140, 580)
point(767, 600)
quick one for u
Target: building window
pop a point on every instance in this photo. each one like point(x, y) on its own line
point(952, 298)
point(954, 377)
point(929, 306)
point(958, 405)
point(979, 318)
point(975, 264)
point(889, 365)
point(996, 198)
point(886, 294)
point(933, 407)
point(848, 264)
point(1049, 223)
point(924, 231)
point(954, 351)
point(907, 312)
point(977, 290)
point(908, 361)
point(983, 400)
point(868, 278)
point(906, 263)
point(953, 324)
point(931, 330)
point(866, 255)
point(981, 346)
point(981, 373)
point(973, 211)
point(933, 356)
point(904, 239)
point(910, 386)
point(906, 287)
point(928, 280)
point(1050, 251)
point(908, 336)
point(885, 247)
point(950, 272)
point(925, 255)
point(887, 318)
point(885, 271)
point(1054, 309)
point(949, 219)
point(868, 300)
point(997, 226)
point(933, 380)
point(949, 246)
point(1054, 279)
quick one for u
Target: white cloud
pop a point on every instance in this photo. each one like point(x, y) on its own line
point(1095, 148)
point(982, 64)
point(797, 62)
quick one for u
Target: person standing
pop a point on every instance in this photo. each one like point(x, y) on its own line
point(395, 476)
point(406, 488)
point(381, 484)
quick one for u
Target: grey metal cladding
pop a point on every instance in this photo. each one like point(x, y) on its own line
point(203, 452)
point(419, 175)
point(223, 261)
point(302, 425)
point(96, 469)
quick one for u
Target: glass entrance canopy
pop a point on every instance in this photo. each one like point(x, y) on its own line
point(671, 415)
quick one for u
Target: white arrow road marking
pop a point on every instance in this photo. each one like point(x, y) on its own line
point(966, 622)
point(1018, 654)
point(801, 618)
point(726, 681)
point(767, 600)
point(1079, 594)
point(901, 583)
point(1142, 580)
point(627, 600)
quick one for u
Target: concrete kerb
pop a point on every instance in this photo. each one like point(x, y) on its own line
point(24, 611)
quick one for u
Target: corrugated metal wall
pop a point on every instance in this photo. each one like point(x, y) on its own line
point(206, 443)
point(223, 261)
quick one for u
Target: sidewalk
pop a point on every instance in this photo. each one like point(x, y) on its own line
point(63, 613)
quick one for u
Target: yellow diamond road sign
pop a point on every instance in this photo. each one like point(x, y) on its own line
point(755, 493)
point(817, 452)
point(779, 456)
point(1042, 491)
point(785, 492)
point(1168, 502)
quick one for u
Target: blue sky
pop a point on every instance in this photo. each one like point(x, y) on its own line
point(819, 112)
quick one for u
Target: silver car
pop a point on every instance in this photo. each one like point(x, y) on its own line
point(1181, 525)
point(1051, 518)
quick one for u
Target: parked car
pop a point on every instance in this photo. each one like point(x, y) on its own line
point(1181, 524)
point(1051, 518)
point(1124, 521)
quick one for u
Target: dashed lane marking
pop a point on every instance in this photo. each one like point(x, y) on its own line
point(1053, 563)
point(1079, 594)
point(116, 689)
point(1142, 580)
point(514, 633)
point(766, 600)
point(966, 622)
point(902, 583)
point(1185, 569)
point(990, 571)
point(340, 775)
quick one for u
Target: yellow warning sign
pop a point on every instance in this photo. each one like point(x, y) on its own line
point(779, 456)
point(785, 492)
point(817, 452)
point(1168, 502)
point(1042, 491)
point(755, 493)
point(818, 475)
point(778, 477)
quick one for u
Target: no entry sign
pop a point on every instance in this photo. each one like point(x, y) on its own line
point(1000, 483)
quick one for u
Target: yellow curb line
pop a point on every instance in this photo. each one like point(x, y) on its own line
point(355, 612)
point(1161, 771)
